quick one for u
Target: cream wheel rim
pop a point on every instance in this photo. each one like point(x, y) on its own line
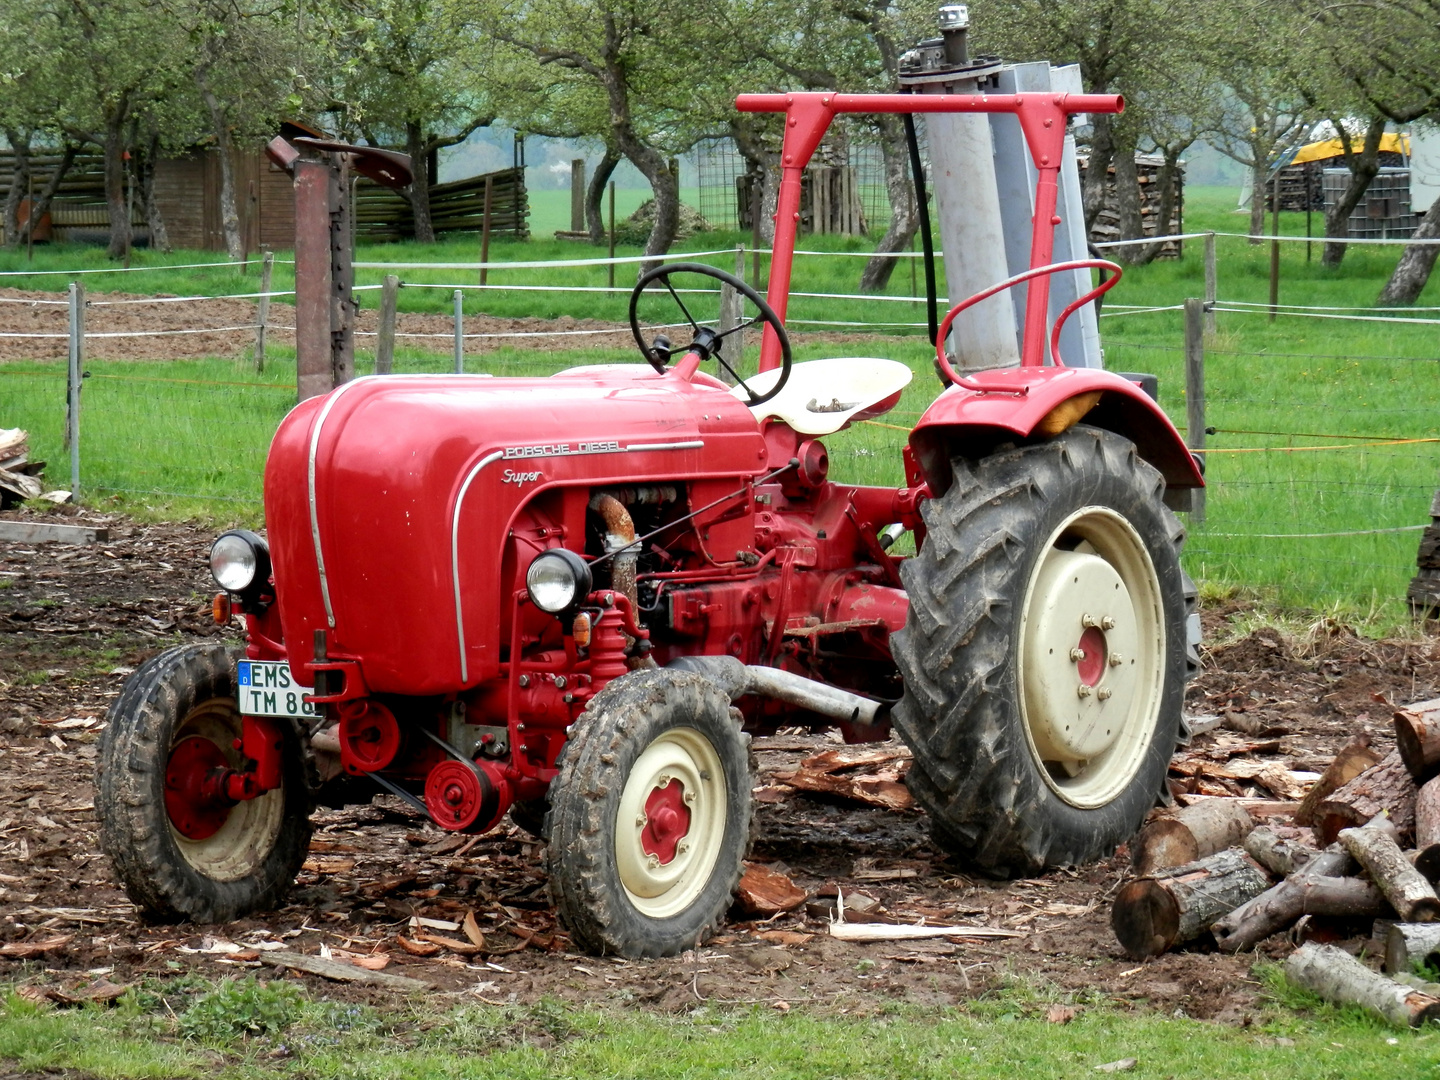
point(1091, 657)
point(670, 826)
point(240, 846)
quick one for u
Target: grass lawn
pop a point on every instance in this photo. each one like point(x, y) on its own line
point(189, 437)
point(190, 1028)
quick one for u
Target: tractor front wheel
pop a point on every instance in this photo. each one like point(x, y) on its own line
point(179, 850)
point(649, 818)
point(1045, 652)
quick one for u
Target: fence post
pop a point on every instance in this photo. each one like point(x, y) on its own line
point(612, 233)
point(385, 339)
point(1195, 395)
point(72, 384)
point(731, 313)
point(1210, 283)
point(757, 205)
point(577, 195)
point(485, 234)
point(267, 263)
point(459, 332)
point(1275, 247)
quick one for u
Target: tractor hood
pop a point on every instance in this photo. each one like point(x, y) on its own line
point(389, 501)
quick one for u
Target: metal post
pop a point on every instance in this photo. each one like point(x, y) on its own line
point(612, 232)
point(459, 332)
point(485, 231)
point(267, 262)
point(1210, 283)
point(577, 195)
point(1275, 247)
point(385, 339)
point(1195, 395)
point(73, 377)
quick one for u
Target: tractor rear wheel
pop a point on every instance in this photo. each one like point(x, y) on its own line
point(1045, 652)
point(649, 818)
point(179, 854)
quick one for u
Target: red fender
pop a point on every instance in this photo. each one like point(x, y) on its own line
point(1015, 400)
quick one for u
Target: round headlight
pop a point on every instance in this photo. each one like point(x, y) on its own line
point(557, 580)
point(238, 560)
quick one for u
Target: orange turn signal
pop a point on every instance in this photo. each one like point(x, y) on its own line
point(220, 608)
point(581, 630)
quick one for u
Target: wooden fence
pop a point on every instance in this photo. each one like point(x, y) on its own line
point(459, 206)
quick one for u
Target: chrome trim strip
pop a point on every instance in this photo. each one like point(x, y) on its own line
point(314, 514)
point(455, 555)
point(693, 444)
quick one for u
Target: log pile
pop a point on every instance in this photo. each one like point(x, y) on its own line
point(1147, 169)
point(1371, 852)
point(19, 476)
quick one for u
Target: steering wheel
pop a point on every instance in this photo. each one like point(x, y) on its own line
point(707, 341)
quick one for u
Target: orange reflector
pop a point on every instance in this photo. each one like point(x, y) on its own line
point(220, 608)
point(581, 630)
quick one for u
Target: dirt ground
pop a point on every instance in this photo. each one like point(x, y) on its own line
point(76, 620)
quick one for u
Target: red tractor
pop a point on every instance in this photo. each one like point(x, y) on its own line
point(568, 598)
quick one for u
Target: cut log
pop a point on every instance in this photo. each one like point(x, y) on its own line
point(1386, 788)
point(1409, 893)
point(1409, 945)
point(1417, 738)
point(1353, 760)
point(1281, 857)
point(1276, 909)
point(1427, 814)
point(1346, 897)
point(1196, 832)
point(1342, 980)
point(1427, 861)
point(1173, 906)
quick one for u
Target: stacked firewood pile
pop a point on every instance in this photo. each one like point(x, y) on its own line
point(1360, 852)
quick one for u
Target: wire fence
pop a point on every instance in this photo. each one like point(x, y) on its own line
point(1320, 466)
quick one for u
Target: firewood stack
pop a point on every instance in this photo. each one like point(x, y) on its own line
point(1372, 853)
point(19, 476)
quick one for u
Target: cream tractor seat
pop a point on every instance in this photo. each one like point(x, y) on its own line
point(823, 396)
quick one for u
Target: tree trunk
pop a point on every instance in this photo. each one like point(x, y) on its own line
point(1148, 253)
point(595, 195)
point(1259, 198)
point(1410, 944)
point(664, 185)
point(1156, 913)
point(1275, 909)
point(904, 210)
point(1342, 980)
point(1404, 886)
point(1417, 738)
point(1194, 833)
point(1353, 759)
point(1279, 856)
point(1342, 897)
point(1412, 272)
point(48, 193)
point(1097, 168)
point(764, 165)
point(1386, 788)
point(418, 193)
point(220, 125)
point(19, 184)
point(1363, 168)
point(154, 220)
point(118, 210)
point(1127, 199)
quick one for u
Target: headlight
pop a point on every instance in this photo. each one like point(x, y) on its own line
point(557, 580)
point(239, 560)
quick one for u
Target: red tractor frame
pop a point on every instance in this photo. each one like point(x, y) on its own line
point(568, 598)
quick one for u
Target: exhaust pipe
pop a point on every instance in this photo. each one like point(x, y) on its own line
point(737, 680)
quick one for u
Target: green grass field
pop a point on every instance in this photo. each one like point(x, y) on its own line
point(189, 437)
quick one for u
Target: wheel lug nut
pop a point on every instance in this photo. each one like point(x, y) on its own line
point(1076, 655)
point(653, 861)
point(1107, 623)
point(1104, 693)
point(1116, 659)
point(1088, 621)
point(689, 797)
point(1083, 690)
point(640, 821)
point(683, 847)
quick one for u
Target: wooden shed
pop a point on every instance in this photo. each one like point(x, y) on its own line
point(187, 189)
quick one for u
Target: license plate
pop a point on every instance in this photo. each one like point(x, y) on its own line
point(266, 688)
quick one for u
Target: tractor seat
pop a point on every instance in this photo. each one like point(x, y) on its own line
point(822, 396)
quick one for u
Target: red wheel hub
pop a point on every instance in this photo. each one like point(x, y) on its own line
point(194, 777)
point(369, 737)
point(667, 820)
point(1092, 643)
